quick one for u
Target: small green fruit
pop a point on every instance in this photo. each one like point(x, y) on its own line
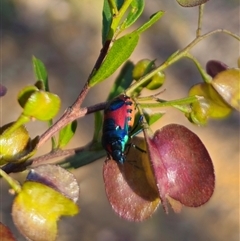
point(213, 105)
point(38, 104)
point(200, 112)
point(42, 105)
point(14, 144)
point(156, 81)
point(142, 67)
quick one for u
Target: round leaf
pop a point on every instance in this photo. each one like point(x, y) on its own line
point(57, 178)
point(182, 167)
point(130, 188)
point(213, 67)
point(5, 234)
point(227, 84)
point(36, 210)
point(3, 90)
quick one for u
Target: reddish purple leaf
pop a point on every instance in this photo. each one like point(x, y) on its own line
point(56, 177)
point(5, 233)
point(129, 188)
point(181, 165)
point(3, 90)
point(213, 67)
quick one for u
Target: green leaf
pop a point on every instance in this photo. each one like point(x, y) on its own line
point(40, 72)
point(106, 20)
point(42, 83)
point(121, 50)
point(123, 81)
point(137, 7)
point(66, 134)
point(153, 19)
point(98, 120)
point(152, 117)
point(191, 3)
point(110, 11)
point(119, 3)
point(83, 158)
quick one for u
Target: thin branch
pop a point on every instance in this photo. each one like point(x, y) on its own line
point(69, 116)
point(101, 57)
point(113, 7)
point(200, 18)
point(54, 154)
point(97, 107)
point(177, 56)
point(74, 112)
point(40, 160)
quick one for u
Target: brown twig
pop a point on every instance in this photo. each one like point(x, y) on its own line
point(75, 111)
point(72, 113)
point(67, 117)
point(54, 154)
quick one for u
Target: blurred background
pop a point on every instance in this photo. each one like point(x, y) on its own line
point(66, 36)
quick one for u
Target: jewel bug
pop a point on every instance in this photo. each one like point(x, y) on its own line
point(118, 121)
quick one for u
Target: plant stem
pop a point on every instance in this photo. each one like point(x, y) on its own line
point(207, 78)
point(74, 112)
point(200, 18)
point(101, 57)
point(71, 114)
point(164, 103)
point(22, 119)
point(113, 7)
point(12, 182)
point(64, 120)
point(117, 18)
point(175, 57)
